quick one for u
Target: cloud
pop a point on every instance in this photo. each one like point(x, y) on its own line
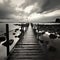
point(31, 2)
point(6, 9)
point(48, 17)
point(46, 10)
point(36, 3)
point(22, 9)
point(51, 5)
point(43, 5)
point(9, 10)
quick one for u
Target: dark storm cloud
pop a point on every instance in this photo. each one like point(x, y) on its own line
point(27, 3)
point(44, 5)
point(5, 9)
point(51, 5)
point(31, 2)
point(4, 13)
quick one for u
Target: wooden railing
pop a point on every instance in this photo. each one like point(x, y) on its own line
point(7, 45)
point(52, 31)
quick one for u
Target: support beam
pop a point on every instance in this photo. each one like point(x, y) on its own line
point(7, 37)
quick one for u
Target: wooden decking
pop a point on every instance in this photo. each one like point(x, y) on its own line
point(28, 48)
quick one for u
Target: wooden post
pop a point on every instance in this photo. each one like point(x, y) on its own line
point(7, 37)
point(38, 31)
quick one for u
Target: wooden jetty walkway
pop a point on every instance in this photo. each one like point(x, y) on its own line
point(28, 48)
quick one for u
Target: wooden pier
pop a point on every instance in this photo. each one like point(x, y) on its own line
point(28, 48)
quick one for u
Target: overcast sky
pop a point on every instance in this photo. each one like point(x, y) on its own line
point(31, 10)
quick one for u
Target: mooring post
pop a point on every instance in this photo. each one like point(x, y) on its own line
point(38, 31)
point(7, 37)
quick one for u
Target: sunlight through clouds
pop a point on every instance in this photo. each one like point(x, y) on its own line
point(34, 16)
point(53, 13)
point(30, 9)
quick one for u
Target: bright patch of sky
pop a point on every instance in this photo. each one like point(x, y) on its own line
point(1, 1)
point(30, 9)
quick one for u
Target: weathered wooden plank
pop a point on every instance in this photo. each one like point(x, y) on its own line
point(28, 48)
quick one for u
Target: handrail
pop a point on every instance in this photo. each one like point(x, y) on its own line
point(7, 36)
point(9, 31)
